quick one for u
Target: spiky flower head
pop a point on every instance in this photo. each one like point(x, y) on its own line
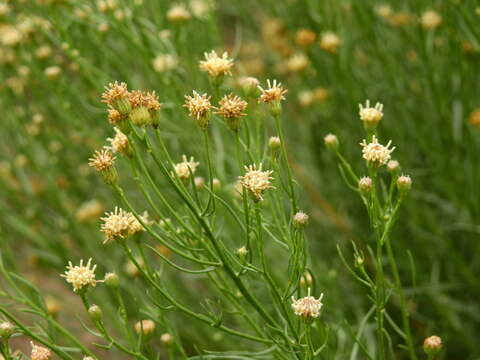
point(184, 168)
point(199, 108)
point(375, 153)
point(273, 92)
point(216, 66)
point(116, 96)
point(119, 225)
point(256, 181)
point(40, 352)
point(103, 161)
point(231, 108)
point(308, 308)
point(370, 116)
point(80, 276)
point(145, 108)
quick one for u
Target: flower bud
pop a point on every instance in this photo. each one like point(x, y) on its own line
point(393, 166)
point(300, 220)
point(242, 252)
point(274, 142)
point(216, 184)
point(6, 330)
point(432, 345)
point(166, 339)
point(145, 326)
point(249, 86)
point(331, 142)
point(112, 280)
point(199, 182)
point(404, 183)
point(95, 312)
point(140, 116)
point(365, 184)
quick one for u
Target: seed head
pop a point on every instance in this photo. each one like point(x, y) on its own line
point(199, 108)
point(376, 153)
point(370, 116)
point(256, 181)
point(216, 66)
point(80, 276)
point(308, 308)
point(40, 352)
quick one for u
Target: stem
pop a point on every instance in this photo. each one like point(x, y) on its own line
point(287, 164)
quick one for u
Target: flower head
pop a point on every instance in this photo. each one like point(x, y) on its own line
point(274, 92)
point(307, 307)
point(80, 276)
point(376, 153)
point(256, 181)
point(40, 352)
point(118, 225)
point(330, 42)
point(119, 144)
point(370, 116)
point(231, 108)
point(184, 168)
point(116, 96)
point(431, 19)
point(216, 66)
point(199, 107)
point(102, 159)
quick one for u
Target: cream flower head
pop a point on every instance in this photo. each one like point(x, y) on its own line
point(198, 107)
point(183, 169)
point(376, 153)
point(80, 276)
point(273, 92)
point(216, 66)
point(370, 116)
point(119, 143)
point(102, 159)
point(307, 307)
point(40, 352)
point(118, 225)
point(256, 181)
